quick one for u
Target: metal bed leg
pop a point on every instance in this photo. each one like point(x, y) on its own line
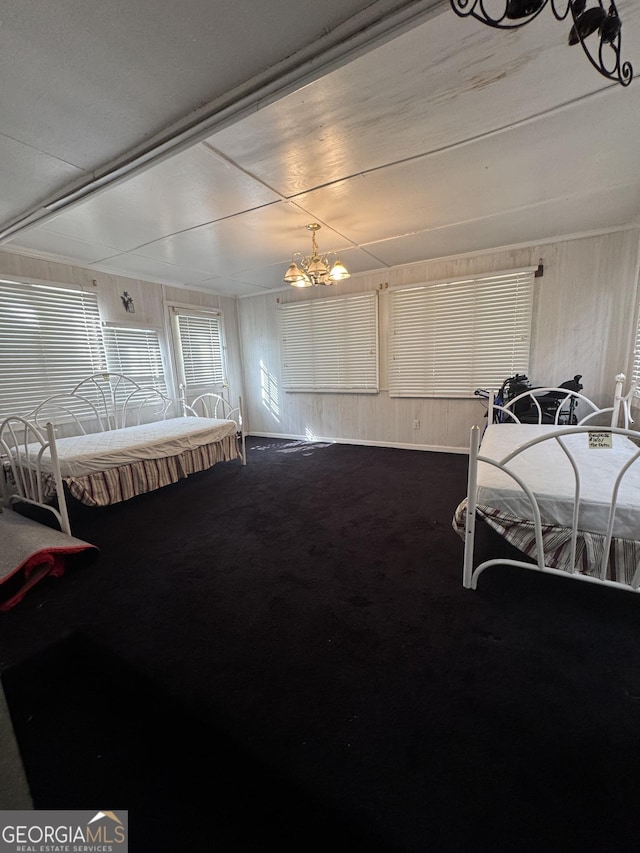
point(62, 501)
point(470, 520)
point(242, 435)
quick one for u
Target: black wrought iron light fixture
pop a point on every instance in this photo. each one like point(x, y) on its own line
point(315, 268)
point(596, 27)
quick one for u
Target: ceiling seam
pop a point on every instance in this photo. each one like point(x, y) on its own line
point(509, 211)
point(454, 145)
point(355, 36)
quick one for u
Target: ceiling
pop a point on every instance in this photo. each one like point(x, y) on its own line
point(191, 143)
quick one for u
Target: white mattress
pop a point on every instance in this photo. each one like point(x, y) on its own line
point(88, 454)
point(548, 473)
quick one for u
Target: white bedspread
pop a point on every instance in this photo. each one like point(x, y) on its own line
point(548, 473)
point(89, 454)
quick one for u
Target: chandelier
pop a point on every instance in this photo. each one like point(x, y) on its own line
point(315, 268)
point(596, 28)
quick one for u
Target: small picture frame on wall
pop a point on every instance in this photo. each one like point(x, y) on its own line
point(127, 301)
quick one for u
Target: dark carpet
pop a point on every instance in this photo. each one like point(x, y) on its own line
point(281, 657)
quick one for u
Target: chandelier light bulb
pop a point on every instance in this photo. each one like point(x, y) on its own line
point(315, 269)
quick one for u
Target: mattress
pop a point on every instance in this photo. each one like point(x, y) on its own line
point(548, 472)
point(83, 455)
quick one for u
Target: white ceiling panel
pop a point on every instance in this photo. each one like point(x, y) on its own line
point(268, 277)
point(25, 171)
point(151, 270)
point(100, 85)
point(407, 132)
point(271, 276)
point(44, 242)
point(509, 170)
point(225, 286)
point(586, 214)
point(184, 191)
point(265, 236)
point(441, 84)
point(121, 71)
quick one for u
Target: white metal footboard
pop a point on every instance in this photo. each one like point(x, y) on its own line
point(210, 405)
point(617, 477)
point(22, 449)
point(588, 410)
point(565, 397)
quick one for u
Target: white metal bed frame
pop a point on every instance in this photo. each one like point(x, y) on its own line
point(210, 405)
point(622, 403)
point(17, 433)
point(108, 401)
point(99, 403)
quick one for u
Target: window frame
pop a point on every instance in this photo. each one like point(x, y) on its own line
point(218, 385)
point(330, 345)
point(63, 346)
point(635, 356)
point(440, 337)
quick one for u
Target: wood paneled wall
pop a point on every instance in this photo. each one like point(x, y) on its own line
point(584, 321)
point(150, 301)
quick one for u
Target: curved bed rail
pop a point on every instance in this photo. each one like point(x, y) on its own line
point(562, 398)
point(566, 402)
point(471, 574)
point(23, 446)
point(211, 405)
point(623, 401)
point(103, 402)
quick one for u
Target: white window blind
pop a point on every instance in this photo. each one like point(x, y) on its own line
point(201, 357)
point(136, 353)
point(330, 345)
point(50, 339)
point(635, 370)
point(449, 338)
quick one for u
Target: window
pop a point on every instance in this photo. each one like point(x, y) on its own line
point(50, 338)
point(136, 353)
point(330, 344)
point(200, 349)
point(635, 370)
point(449, 338)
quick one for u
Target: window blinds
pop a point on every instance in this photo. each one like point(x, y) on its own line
point(136, 353)
point(330, 345)
point(447, 339)
point(50, 339)
point(201, 349)
point(635, 370)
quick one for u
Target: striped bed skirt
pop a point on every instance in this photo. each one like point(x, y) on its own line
point(126, 481)
point(624, 554)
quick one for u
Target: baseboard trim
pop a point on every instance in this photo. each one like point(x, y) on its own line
point(434, 448)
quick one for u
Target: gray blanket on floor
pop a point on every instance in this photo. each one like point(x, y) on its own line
point(29, 551)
